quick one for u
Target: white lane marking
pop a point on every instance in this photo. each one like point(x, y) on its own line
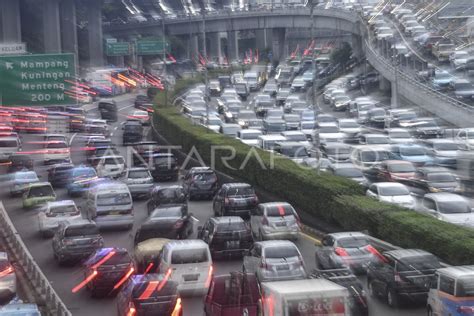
point(194, 219)
point(72, 138)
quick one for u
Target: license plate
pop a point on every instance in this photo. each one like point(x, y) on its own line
point(282, 267)
point(232, 244)
point(115, 213)
point(191, 277)
point(280, 224)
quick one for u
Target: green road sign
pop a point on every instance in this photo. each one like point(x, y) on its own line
point(117, 49)
point(37, 79)
point(150, 47)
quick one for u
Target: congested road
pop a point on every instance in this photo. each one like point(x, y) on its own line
point(64, 279)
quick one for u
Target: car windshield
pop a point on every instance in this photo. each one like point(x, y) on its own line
point(83, 173)
point(373, 156)
point(113, 161)
point(465, 286)
point(440, 177)
point(235, 191)
point(401, 167)
point(337, 150)
point(278, 252)
point(275, 126)
point(167, 212)
point(294, 151)
point(231, 226)
point(328, 129)
point(8, 143)
point(418, 263)
point(39, 191)
point(120, 257)
point(86, 230)
point(406, 116)
point(110, 199)
point(250, 135)
point(377, 140)
point(348, 124)
point(454, 207)
point(270, 87)
point(246, 115)
point(58, 209)
point(306, 125)
point(349, 172)
point(279, 210)
point(400, 134)
point(164, 161)
point(185, 256)
point(296, 137)
point(26, 176)
point(353, 242)
point(138, 174)
point(445, 146)
point(412, 151)
point(393, 191)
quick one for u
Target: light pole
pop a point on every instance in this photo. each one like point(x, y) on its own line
point(206, 81)
point(164, 59)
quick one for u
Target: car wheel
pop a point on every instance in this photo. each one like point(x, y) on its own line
point(392, 298)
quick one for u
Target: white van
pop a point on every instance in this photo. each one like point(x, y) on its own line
point(110, 204)
point(190, 264)
point(8, 146)
point(110, 166)
point(268, 141)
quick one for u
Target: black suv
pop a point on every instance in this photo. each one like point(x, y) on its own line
point(132, 132)
point(227, 236)
point(167, 196)
point(402, 274)
point(59, 175)
point(112, 266)
point(164, 166)
point(237, 199)
point(75, 241)
point(108, 110)
point(200, 181)
point(140, 101)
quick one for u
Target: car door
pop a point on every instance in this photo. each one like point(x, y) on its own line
point(253, 259)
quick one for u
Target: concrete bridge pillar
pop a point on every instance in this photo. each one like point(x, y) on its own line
point(262, 39)
point(232, 45)
point(394, 100)
point(51, 26)
point(68, 26)
point(10, 21)
point(384, 84)
point(356, 44)
point(193, 46)
point(278, 43)
point(215, 49)
point(95, 35)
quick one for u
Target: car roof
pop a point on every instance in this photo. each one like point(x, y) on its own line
point(406, 253)
point(388, 184)
point(227, 219)
point(275, 243)
point(236, 185)
point(60, 203)
point(271, 204)
point(292, 133)
point(445, 197)
point(289, 144)
point(440, 141)
point(458, 271)
point(186, 244)
point(78, 222)
point(39, 184)
point(347, 234)
point(137, 169)
point(400, 162)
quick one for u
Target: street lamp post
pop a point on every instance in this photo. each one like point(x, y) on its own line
point(206, 81)
point(164, 59)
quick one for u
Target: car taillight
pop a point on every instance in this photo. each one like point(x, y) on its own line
point(341, 252)
point(131, 311)
point(177, 308)
point(6, 271)
point(468, 310)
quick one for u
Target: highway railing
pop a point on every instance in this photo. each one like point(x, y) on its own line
point(48, 297)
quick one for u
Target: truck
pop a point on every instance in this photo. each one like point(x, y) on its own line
point(305, 297)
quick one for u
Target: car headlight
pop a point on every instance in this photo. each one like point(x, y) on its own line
point(434, 190)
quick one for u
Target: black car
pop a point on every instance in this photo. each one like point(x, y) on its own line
point(237, 199)
point(150, 294)
point(59, 175)
point(227, 236)
point(75, 241)
point(432, 180)
point(403, 274)
point(112, 267)
point(345, 278)
point(200, 182)
point(108, 110)
point(164, 166)
point(140, 101)
point(171, 222)
point(132, 132)
point(166, 196)
point(19, 161)
point(242, 90)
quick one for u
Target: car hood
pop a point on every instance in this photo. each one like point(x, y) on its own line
point(398, 199)
point(447, 153)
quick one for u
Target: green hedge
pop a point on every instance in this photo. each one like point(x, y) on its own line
point(334, 199)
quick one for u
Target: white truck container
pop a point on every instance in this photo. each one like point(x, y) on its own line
point(305, 297)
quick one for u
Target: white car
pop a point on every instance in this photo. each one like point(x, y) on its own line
point(56, 151)
point(297, 136)
point(399, 136)
point(55, 212)
point(448, 207)
point(142, 116)
point(465, 139)
point(327, 133)
point(249, 136)
point(392, 192)
point(109, 166)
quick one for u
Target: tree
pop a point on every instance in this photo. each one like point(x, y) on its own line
point(342, 55)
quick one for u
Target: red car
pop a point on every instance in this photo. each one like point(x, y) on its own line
point(391, 170)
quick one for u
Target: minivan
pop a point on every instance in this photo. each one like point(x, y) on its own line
point(110, 204)
point(8, 146)
point(109, 166)
point(189, 263)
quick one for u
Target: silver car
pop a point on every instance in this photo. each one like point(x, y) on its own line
point(7, 280)
point(275, 260)
point(275, 220)
point(138, 180)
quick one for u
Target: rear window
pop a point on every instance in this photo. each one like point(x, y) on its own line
point(113, 161)
point(352, 242)
point(63, 209)
point(418, 263)
point(204, 176)
point(8, 143)
point(240, 191)
point(81, 231)
point(401, 167)
point(110, 199)
point(231, 227)
point(118, 258)
point(441, 177)
point(465, 287)
point(40, 191)
point(166, 289)
point(138, 174)
point(185, 256)
point(279, 210)
point(280, 252)
point(171, 193)
point(56, 145)
point(26, 175)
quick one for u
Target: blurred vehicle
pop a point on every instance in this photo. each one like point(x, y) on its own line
point(229, 129)
point(349, 171)
point(376, 117)
point(140, 101)
point(111, 267)
point(132, 132)
point(138, 180)
point(18, 182)
point(274, 126)
point(448, 207)
point(346, 249)
point(416, 154)
point(399, 136)
point(233, 294)
point(53, 213)
point(451, 291)
point(249, 136)
point(190, 263)
point(281, 96)
point(171, 222)
point(399, 117)
point(59, 175)
point(463, 89)
point(242, 90)
point(78, 179)
point(423, 127)
point(295, 151)
point(458, 59)
point(351, 128)
point(142, 116)
point(432, 180)
point(271, 89)
point(404, 274)
point(149, 294)
point(336, 152)
point(298, 85)
point(174, 195)
point(212, 122)
point(275, 260)
point(227, 236)
point(319, 164)
point(308, 116)
point(108, 110)
point(38, 193)
point(290, 297)
point(444, 151)
point(235, 199)
point(147, 255)
point(326, 118)
point(76, 240)
point(307, 128)
point(365, 157)
point(327, 133)
point(262, 103)
point(292, 121)
point(267, 142)
point(214, 88)
point(164, 166)
point(275, 220)
point(297, 136)
point(391, 192)
point(8, 287)
point(391, 170)
point(465, 139)
point(110, 205)
point(108, 166)
point(9, 146)
point(340, 102)
point(19, 161)
point(441, 80)
point(200, 181)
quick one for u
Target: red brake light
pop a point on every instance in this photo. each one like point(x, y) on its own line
point(341, 252)
point(178, 224)
point(209, 276)
point(132, 311)
point(226, 201)
point(177, 308)
point(7, 271)
point(264, 220)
